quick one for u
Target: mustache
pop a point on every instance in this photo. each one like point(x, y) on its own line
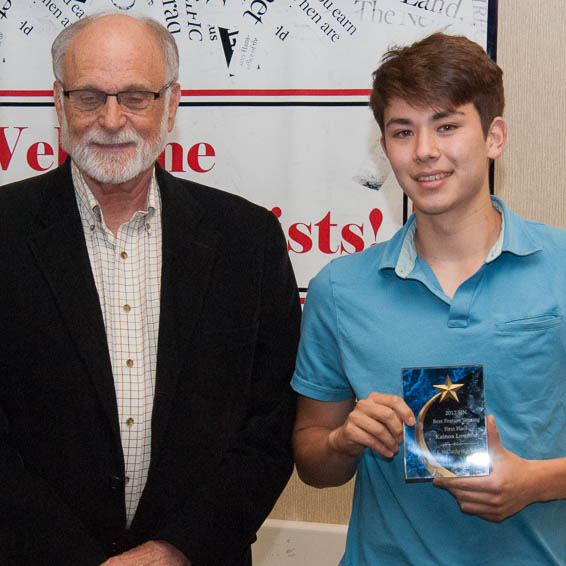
point(102, 137)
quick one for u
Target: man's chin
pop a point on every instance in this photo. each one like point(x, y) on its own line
point(113, 166)
point(109, 178)
point(112, 170)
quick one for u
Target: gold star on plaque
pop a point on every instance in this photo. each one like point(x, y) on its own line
point(450, 389)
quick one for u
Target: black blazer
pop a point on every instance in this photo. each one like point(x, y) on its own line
point(223, 409)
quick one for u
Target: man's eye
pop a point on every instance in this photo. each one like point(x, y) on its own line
point(447, 127)
point(134, 98)
point(88, 98)
point(402, 134)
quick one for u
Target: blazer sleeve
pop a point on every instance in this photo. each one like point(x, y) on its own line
point(36, 526)
point(218, 521)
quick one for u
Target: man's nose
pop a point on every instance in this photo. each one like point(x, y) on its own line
point(111, 116)
point(426, 147)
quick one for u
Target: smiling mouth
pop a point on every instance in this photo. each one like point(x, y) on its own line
point(437, 177)
point(113, 145)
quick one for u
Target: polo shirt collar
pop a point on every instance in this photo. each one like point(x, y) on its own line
point(401, 255)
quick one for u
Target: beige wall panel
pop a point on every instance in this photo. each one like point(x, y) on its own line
point(301, 502)
point(532, 52)
point(530, 175)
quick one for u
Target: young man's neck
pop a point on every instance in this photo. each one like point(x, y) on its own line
point(456, 246)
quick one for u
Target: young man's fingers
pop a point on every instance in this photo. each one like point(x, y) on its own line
point(395, 403)
point(383, 416)
point(385, 434)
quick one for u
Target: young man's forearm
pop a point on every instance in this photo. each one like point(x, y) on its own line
point(318, 461)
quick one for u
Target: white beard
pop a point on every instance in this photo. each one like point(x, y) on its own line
point(107, 167)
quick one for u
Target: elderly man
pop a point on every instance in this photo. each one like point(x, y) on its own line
point(149, 330)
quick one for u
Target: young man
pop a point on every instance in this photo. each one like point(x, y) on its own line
point(465, 281)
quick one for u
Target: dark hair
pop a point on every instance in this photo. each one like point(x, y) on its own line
point(441, 71)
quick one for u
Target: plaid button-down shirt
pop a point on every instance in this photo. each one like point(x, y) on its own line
point(127, 272)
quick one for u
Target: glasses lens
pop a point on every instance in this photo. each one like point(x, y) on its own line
point(135, 100)
point(87, 100)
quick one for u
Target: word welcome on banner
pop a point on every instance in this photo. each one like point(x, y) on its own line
point(273, 108)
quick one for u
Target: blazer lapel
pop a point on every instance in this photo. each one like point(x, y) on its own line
point(60, 250)
point(188, 255)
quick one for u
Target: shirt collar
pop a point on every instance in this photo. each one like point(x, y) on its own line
point(91, 206)
point(401, 254)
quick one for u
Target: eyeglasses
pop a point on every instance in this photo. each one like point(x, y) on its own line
point(90, 99)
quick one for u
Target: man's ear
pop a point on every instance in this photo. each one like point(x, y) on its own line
point(383, 146)
point(496, 136)
point(57, 99)
point(174, 100)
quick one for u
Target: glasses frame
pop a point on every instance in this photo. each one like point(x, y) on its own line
point(156, 95)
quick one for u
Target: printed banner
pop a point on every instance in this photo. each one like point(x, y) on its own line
point(274, 104)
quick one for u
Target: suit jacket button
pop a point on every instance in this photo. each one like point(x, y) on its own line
point(116, 483)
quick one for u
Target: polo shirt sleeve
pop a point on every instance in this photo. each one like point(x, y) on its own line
point(319, 372)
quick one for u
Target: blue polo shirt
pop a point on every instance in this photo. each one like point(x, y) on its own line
point(370, 314)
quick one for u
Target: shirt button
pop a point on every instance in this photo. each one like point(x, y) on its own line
point(127, 480)
point(92, 227)
point(130, 421)
point(124, 255)
point(130, 363)
point(126, 308)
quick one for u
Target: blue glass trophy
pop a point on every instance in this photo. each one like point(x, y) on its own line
point(449, 437)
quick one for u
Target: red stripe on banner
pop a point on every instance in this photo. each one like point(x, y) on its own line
point(280, 92)
point(233, 92)
point(26, 93)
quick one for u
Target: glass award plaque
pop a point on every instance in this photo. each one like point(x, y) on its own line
point(449, 437)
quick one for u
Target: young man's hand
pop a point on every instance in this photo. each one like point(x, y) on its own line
point(329, 436)
point(375, 422)
point(507, 489)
